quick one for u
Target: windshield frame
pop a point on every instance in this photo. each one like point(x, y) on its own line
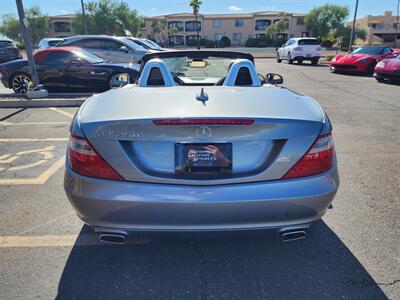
point(132, 44)
point(369, 53)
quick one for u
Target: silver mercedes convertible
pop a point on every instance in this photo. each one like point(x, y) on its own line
point(201, 142)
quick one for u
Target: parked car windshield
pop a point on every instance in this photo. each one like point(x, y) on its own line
point(54, 43)
point(4, 44)
point(133, 45)
point(88, 56)
point(368, 50)
point(307, 42)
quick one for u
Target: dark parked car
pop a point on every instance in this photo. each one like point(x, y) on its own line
point(8, 51)
point(110, 48)
point(147, 44)
point(67, 68)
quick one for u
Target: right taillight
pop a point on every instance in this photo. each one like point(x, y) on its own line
point(318, 159)
point(85, 161)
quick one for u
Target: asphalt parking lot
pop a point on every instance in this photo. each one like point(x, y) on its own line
point(353, 253)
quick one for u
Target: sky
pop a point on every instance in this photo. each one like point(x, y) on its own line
point(160, 7)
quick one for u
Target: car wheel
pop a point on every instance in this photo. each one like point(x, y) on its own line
point(380, 79)
point(371, 67)
point(20, 82)
point(278, 58)
point(289, 59)
point(300, 61)
point(118, 80)
point(314, 61)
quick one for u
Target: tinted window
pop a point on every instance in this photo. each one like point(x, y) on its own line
point(307, 42)
point(92, 43)
point(368, 50)
point(387, 50)
point(56, 58)
point(54, 43)
point(112, 45)
point(4, 44)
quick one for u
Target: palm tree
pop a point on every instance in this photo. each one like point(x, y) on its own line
point(195, 4)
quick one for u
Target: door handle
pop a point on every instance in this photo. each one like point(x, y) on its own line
point(97, 73)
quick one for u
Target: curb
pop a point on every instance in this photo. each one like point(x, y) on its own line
point(41, 103)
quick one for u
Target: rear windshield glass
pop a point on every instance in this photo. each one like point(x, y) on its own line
point(212, 66)
point(308, 42)
point(4, 44)
point(368, 50)
point(54, 43)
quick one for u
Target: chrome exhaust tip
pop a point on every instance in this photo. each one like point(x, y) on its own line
point(112, 238)
point(293, 235)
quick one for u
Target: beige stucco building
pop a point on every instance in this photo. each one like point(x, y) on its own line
point(60, 26)
point(238, 27)
point(380, 29)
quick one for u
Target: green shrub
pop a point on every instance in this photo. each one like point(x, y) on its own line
point(261, 43)
point(191, 43)
point(251, 42)
point(329, 57)
point(327, 43)
point(210, 44)
point(224, 42)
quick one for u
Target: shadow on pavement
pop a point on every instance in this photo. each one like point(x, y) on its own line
point(255, 267)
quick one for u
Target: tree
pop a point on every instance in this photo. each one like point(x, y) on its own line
point(109, 17)
point(326, 19)
point(195, 4)
point(344, 36)
point(278, 27)
point(160, 31)
point(37, 26)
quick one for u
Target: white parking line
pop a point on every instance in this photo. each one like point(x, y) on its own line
point(34, 140)
point(67, 114)
point(6, 123)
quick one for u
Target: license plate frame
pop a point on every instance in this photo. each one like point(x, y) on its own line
point(201, 158)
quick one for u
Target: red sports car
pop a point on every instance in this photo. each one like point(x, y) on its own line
point(362, 60)
point(388, 69)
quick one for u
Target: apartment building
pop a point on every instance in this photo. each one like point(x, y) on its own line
point(238, 27)
point(380, 29)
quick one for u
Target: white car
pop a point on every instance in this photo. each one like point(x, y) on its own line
point(49, 42)
point(300, 49)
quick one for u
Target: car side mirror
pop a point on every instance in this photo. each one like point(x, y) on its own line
point(124, 49)
point(273, 78)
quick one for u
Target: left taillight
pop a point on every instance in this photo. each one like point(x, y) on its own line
point(85, 161)
point(318, 159)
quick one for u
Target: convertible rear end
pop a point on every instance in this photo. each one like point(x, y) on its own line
point(186, 158)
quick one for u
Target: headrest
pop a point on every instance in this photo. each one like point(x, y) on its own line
point(242, 73)
point(155, 73)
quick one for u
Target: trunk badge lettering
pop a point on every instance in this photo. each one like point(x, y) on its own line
point(203, 97)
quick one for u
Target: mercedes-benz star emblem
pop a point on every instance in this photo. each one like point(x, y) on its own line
point(203, 132)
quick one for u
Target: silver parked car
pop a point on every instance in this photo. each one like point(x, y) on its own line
point(201, 143)
point(111, 49)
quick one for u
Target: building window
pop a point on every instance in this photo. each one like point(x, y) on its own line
point(217, 36)
point(375, 26)
point(262, 24)
point(398, 26)
point(62, 27)
point(191, 26)
point(300, 21)
point(177, 25)
point(239, 23)
point(305, 34)
point(176, 40)
point(237, 37)
point(216, 23)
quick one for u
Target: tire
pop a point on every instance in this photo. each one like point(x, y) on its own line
point(314, 61)
point(380, 79)
point(289, 59)
point(19, 82)
point(371, 68)
point(278, 58)
point(300, 61)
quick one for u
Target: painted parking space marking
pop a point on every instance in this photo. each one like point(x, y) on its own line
point(33, 140)
point(7, 123)
point(62, 112)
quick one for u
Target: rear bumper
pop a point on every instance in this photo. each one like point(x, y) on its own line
point(302, 57)
point(131, 206)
